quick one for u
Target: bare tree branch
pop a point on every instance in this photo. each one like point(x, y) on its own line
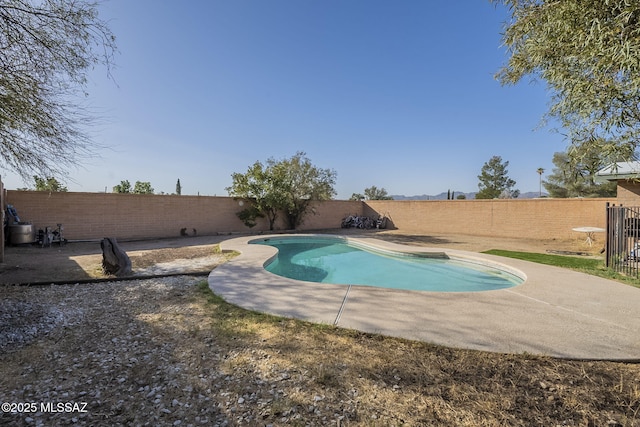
point(47, 48)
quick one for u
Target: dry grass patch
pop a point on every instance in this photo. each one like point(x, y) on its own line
point(146, 258)
point(91, 265)
point(387, 381)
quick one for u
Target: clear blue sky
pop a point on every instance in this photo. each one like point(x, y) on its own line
point(396, 94)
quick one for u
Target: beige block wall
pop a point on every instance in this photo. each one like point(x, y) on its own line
point(132, 216)
point(140, 216)
point(329, 214)
point(525, 218)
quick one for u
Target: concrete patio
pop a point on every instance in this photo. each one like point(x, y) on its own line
point(555, 312)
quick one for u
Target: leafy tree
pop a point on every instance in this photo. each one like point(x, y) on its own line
point(49, 184)
point(46, 184)
point(574, 175)
point(495, 182)
point(249, 215)
point(257, 187)
point(372, 193)
point(178, 188)
point(289, 186)
point(47, 48)
point(142, 188)
point(301, 183)
point(123, 187)
point(375, 193)
point(587, 52)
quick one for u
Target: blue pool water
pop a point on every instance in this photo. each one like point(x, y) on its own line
point(332, 260)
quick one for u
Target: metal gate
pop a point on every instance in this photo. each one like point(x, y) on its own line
point(623, 239)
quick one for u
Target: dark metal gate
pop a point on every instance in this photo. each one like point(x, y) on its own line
point(623, 239)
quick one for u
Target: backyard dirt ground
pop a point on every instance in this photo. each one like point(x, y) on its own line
point(164, 351)
point(83, 260)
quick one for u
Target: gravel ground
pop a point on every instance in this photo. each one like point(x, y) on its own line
point(100, 348)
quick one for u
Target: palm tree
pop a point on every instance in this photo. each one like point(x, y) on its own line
point(540, 172)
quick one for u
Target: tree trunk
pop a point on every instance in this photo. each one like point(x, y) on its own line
point(114, 259)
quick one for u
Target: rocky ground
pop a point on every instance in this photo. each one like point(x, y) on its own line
point(97, 346)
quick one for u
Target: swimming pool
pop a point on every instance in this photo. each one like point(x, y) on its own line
point(338, 261)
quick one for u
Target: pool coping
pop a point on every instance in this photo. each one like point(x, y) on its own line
point(555, 312)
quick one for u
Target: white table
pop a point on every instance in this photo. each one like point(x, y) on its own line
point(589, 232)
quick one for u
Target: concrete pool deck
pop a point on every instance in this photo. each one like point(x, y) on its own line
point(555, 312)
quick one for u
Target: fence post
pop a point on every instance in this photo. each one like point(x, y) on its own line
point(607, 240)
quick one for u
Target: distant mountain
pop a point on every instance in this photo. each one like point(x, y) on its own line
point(441, 196)
point(469, 196)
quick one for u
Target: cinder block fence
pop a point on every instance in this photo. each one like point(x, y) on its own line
point(138, 216)
point(520, 218)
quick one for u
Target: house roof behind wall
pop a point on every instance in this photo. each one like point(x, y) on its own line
point(618, 171)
